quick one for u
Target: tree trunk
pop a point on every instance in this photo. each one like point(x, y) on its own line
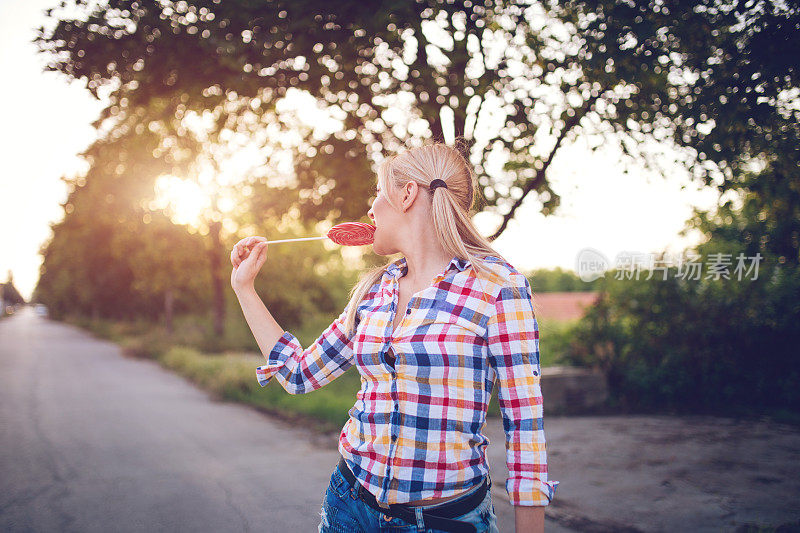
point(169, 301)
point(218, 284)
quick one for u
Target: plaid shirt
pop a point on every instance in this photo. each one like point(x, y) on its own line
point(415, 430)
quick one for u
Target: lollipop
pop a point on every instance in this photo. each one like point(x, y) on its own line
point(352, 233)
point(345, 234)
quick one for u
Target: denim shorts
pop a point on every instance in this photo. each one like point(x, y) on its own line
point(344, 512)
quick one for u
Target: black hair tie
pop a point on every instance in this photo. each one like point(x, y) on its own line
point(437, 183)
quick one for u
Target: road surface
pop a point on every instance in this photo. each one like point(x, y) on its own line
point(94, 441)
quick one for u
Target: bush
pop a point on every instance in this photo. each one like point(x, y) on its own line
point(721, 345)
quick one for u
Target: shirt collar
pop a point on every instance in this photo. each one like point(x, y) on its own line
point(400, 266)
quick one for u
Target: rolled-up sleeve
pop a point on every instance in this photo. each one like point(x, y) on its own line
point(300, 371)
point(513, 343)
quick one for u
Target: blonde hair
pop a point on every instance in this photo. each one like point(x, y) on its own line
point(451, 210)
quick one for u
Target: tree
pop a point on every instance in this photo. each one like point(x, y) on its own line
point(720, 75)
point(103, 258)
point(168, 261)
point(698, 340)
point(517, 80)
point(9, 293)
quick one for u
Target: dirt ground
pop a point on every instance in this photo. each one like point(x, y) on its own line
point(667, 473)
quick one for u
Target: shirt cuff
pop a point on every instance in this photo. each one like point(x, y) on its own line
point(530, 492)
point(283, 349)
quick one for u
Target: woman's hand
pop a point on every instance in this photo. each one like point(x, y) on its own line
point(247, 257)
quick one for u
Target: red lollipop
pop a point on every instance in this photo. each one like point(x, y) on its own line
point(345, 234)
point(352, 233)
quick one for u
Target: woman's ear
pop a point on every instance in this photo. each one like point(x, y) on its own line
point(410, 191)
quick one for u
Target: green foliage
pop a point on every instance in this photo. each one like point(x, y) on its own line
point(764, 218)
point(629, 71)
point(555, 338)
point(609, 66)
point(303, 280)
point(697, 345)
point(111, 258)
point(710, 343)
point(558, 280)
point(9, 293)
point(723, 75)
point(108, 260)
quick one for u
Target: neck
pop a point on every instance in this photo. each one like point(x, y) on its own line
point(423, 266)
point(425, 257)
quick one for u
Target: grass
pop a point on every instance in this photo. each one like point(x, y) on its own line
point(229, 374)
point(233, 377)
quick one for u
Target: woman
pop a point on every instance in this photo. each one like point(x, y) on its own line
point(431, 334)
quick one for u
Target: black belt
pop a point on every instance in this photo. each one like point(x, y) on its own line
point(440, 517)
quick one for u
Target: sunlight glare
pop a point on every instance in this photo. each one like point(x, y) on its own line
point(184, 200)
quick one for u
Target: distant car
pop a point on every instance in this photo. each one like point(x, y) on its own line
point(40, 309)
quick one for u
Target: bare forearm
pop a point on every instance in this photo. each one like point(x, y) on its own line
point(529, 519)
point(265, 328)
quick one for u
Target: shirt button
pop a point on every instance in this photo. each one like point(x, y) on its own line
point(394, 438)
point(535, 373)
point(408, 311)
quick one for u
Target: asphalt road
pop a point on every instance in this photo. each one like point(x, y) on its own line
point(93, 441)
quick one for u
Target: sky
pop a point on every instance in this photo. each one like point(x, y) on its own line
point(47, 123)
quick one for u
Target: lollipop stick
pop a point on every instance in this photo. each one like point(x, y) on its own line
point(303, 239)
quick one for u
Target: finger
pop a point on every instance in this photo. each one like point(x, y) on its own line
point(247, 257)
point(258, 251)
point(243, 244)
point(261, 256)
point(255, 239)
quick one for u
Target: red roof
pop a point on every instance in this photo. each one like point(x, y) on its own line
point(562, 305)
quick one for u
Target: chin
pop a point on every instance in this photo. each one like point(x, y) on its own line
point(376, 248)
point(379, 248)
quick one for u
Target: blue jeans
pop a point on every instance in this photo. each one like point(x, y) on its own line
point(344, 512)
